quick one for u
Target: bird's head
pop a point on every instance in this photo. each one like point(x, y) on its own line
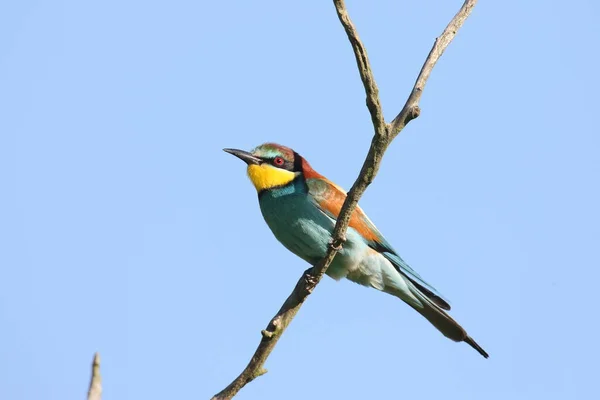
point(271, 165)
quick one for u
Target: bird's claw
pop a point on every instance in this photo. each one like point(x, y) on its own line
point(336, 244)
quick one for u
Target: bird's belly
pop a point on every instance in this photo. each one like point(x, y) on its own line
point(306, 231)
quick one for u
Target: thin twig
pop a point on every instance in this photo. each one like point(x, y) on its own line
point(95, 391)
point(364, 69)
point(411, 109)
point(384, 134)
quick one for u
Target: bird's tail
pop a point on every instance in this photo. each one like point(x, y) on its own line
point(444, 322)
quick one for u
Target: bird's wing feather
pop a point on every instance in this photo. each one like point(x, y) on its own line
point(329, 198)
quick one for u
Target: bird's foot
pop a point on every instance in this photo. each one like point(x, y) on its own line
point(336, 244)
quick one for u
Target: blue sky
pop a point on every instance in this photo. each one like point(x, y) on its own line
point(126, 230)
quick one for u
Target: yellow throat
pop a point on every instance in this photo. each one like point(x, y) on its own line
point(265, 176)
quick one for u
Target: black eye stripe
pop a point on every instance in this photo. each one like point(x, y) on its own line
point(297, 163)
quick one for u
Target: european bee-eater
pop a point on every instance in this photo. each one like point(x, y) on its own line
point(300, 207)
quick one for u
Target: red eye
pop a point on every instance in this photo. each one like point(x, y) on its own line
point(278, 161)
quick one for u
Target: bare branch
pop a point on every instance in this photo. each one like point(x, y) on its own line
point(364, 68)
point(95, 391)
point(272, 333)
point(411, 109)
point(384, 134)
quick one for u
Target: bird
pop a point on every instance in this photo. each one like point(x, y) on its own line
point(300, 206)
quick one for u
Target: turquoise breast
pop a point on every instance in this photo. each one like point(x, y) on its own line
point(303, 228)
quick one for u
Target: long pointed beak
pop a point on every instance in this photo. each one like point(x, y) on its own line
point(248, 158)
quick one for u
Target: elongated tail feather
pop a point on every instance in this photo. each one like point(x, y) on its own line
point(477, 347)
point(444, 322)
